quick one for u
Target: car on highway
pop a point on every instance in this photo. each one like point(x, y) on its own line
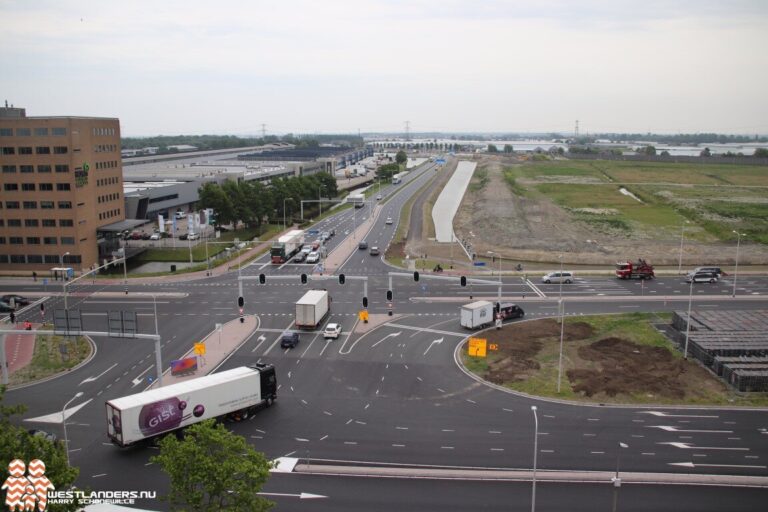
point(289, 339)
point(557, 277)
point(378, 197)
point(300, 257)
point(17, 299)
point(313, 257)
point(389, 220)
point(363, 245)
point(325, 235)
point(374, 251)
point(193, 236)
point(306, 250)
point(702, 277)
point(716, 270)
point(332, 331)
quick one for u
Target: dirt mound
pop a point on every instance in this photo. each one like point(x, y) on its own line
point(625, 368)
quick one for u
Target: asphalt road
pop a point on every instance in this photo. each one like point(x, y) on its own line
point(395, 395)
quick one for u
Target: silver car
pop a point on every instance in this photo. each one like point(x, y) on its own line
point(557, 277)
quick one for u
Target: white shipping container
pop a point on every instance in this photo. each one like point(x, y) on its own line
point(148, 414)
point(477, 314)
point(312, 308)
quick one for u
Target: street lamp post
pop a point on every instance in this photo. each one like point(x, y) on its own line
point(285, 224)
point(616, 480)
point(688, 320)
point(535, 454)
point(680, 259)
point(736, 270)
point(499, 255)
point(64, 422)
point(320, 200)
point(64, 280)
point(562, 331)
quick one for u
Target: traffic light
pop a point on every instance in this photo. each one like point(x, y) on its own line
point(342, 278)
point(42, 307)
point(262, 279)
point(365, 302)
point(303, 278)
point(389, 295)
point(497, 307)
point(416, 276)
point(240, 302)
point(463, 281)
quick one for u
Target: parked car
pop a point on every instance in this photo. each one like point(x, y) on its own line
point(389, 220)
point(557, 277)
point(374, 251)
point(18, 299)
point(183, 237)
point(289, 340)
point(145, 236)
point(363, 245)
point(136, 235)
point(702, 277)
point(156, 236)
point(193, 236)
point(313, 257)
point(332, 331)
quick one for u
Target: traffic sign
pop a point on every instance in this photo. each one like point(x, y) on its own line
point(479, 263)
point(477, 347)
point(200, 349)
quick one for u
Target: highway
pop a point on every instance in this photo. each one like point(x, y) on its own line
point(394, 395)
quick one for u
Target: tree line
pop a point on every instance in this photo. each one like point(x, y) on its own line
point(208, 142)
point(253, 203)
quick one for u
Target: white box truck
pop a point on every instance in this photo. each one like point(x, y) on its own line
point(312, 308)
point(357, 200)
point(239, 391)
point(287, 246)
point(477, 314)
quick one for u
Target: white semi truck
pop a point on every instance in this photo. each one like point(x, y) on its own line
point(312, 309)
point(287, 246)
point(357, 200)
point(239, 391)
point(482, 313)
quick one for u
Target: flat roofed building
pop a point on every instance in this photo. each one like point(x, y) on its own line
point(61, 181)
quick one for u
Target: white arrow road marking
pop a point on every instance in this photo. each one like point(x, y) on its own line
point(56, 417)
point(675, 429)
point(688, 446)
point(91, 379)
point(138, 380)
point(260, 340)
point(692, 465)
point(430, 345)
point(658, 413)
point(392, 335)
point(301, 496)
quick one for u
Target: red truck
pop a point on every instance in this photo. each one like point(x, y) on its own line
point(640, 269)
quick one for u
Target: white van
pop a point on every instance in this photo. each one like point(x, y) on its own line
point(558, 277)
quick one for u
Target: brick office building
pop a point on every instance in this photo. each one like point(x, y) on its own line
point(61, 181)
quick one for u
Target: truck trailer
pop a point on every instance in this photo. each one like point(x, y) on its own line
point(312, 309)
point(357, 200)
point(287, 246)
point(477, 314)
point(142, 416)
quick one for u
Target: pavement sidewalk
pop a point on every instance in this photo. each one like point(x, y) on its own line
point(19, 349)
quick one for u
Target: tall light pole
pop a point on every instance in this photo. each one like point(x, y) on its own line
point(616, 480)
point(499, 255)
point(535, 454)
point(680, 259)
point(736, 270)
point(64, 280)
point(560, 300)
point(64, 421)
point(320, 200)
point(562, 331)
point(688, 320)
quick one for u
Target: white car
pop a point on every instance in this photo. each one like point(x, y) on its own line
point(155, 236)
point(557, 277)
point(332, 331)
point(378, 197)
point(193, 236)
point(313, 257)
point(389, 220)
point(306, 249)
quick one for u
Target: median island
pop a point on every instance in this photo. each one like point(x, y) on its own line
point(610, 359)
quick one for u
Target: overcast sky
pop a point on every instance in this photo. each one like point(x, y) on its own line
point(327, 66)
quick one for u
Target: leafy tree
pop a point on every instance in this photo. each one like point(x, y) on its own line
point(401, 157)
point(648, 150)
point(508, 148)
point(705, 152)
point(664, 153)
point(492, 148)
point(18, 443)
point(386, 171)
point(761, 153)
point(212, 469)
point(211, 195)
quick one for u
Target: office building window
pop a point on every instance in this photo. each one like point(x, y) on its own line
point(15, 240)
point(34, 258)
point(31, 223)
point(2, 223)
point(50, 240)
point(58, 131)
point(61, 187)
point(62, 168)
point(14, 223)
point(12, 205)
point(3, 258)
point(2, 240)
point(66, 223)
point(43, 150)
point(41, 132)
point(46, 205)
point(25, 150)
point(28, 187)
point(60, 150)
point(23, 132)
point(18, 258)
point(27, 168)
point(43, 168)
point(66, 205)
point(67, 240)
point(8, 169)
point(51, 258)
point(30, 205)
point(33, 240)
point(9, 187)
point(46, 187)
point(49, 223)
point(8, 150)
point(6, 132)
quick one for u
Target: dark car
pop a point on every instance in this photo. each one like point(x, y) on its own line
point(17, 299)
point(289, 340)
point(508, 311)
point(362, 245)
point(300, 257)
point(145, 236)
point(184, 236)
point(6, 307)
